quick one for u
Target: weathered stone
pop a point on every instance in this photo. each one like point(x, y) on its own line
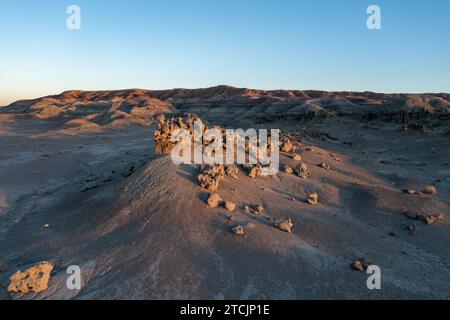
point(214, 200)
point(434, 218)
point(286, 226)
point(288, 170)
point(230, 206)
point(239, 230)
point(211, 176)
point(34, 279)
point(325, 166)
point(232, 171)
point(357, 266)
point(302, 170)
point(313, 199)
point(430, 190)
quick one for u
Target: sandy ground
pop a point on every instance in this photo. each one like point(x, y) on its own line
point(147, 233)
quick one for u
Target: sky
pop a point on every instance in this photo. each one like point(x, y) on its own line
point(265, 44)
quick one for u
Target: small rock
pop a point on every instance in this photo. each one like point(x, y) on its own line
point(232, 171)
point(428, 219)
point(411, 192)
point(286, 226)
point(313, 199)
point(286, 146)
point(210, 177)
point(259, 209)
point(46, 226)
point(434, 218)
point(325, 166)
point(357, 266)
point(288, 170)
point(34, 279)
point(230, 206)
point(430, 190)
point(214, 200)
point(297, 157)
point(239, 230)
point(302, 170)
point(254, 172)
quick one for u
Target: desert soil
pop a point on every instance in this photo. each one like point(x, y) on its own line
point(81, 184)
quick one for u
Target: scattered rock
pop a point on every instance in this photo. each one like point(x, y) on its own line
point(411, 126)
point(288, 169)
point(325, 166)
point(430, 190)
point(286, 146)
point(361, 265)
point(232, 171)
point(302, 170)
point(428, 219)
point(262, 171)
point(230, 206)
point(254, 172)
point(34, 279)
point(313, 199)
point(335, 157)
point(167, 126)
point(286, 226)
point(357, 266)
point(434, 218)
point(412, 192)
point(214, 200)
point(239, 230)
point(211, 176)
point(259, 209)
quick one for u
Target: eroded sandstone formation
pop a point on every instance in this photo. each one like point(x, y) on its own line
point(34, 279)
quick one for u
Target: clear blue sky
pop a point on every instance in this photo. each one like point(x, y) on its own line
point(268, 44)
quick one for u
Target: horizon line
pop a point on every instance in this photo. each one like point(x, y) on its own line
point(230, 86)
